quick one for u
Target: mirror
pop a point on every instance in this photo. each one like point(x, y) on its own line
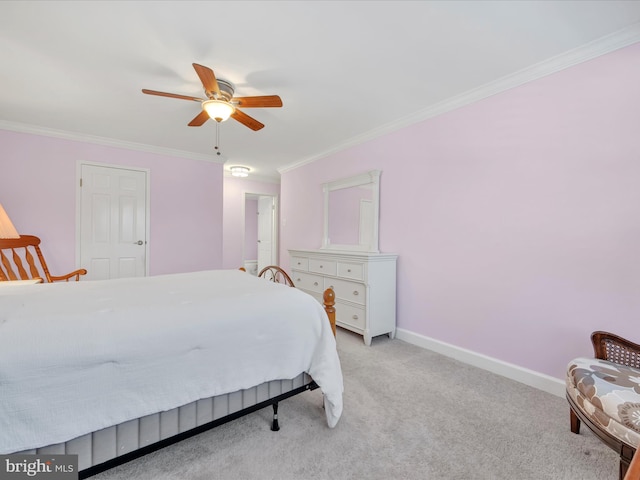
point(351, 210)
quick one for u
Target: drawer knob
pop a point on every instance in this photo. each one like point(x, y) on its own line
point(298, 280)
point(355, 317)
point(320, 266)
point(315, 284)
point(355, 292)
point(348, 270)
point(331, 287)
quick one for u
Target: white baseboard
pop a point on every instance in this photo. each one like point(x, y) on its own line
point(532, 378)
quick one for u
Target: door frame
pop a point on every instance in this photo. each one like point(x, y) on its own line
point(147, 183)
point(275, 230)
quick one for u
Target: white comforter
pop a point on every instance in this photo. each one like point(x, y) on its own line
point(79, 357)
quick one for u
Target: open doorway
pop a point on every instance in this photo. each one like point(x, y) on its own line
point(260, 232)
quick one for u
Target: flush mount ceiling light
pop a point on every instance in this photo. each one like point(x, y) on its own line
point(239, 171)
point(219, 110)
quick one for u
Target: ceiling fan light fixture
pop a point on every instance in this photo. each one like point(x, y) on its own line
point(218, 110)
point(239, 171)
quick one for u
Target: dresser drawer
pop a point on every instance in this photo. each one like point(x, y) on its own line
point(326, 267)
point(345, 290)
point(350, 315)
point(351, 270)
point(300, 263)
point(307, 281)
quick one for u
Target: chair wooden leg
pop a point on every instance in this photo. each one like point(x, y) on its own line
point(623, 469)
point(575, 422)
point(626, 456)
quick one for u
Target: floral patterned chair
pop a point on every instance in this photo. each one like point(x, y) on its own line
point(604, 394)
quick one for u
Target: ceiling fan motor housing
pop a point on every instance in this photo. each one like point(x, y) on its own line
point(219, 106)
point(226, 90)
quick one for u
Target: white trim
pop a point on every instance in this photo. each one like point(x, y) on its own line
point(532, 378)
point(275, 231)
point(109, 142)
point(596, 48)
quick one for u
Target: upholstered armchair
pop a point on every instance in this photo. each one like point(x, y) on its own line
point(604, 394)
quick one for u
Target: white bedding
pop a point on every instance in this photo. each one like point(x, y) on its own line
point(81, 356)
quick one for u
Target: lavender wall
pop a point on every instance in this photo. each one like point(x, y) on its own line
point(234, 218)
point(38, 190)
point(516, 219)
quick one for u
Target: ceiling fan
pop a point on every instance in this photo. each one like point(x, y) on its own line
point(220, 103)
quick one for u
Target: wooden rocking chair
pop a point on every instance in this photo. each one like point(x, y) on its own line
point(18, 262)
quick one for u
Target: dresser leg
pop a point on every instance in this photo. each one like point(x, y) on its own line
point(367, 339)
point(392, 334)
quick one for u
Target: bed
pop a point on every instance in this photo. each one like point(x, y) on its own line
point(110, 370)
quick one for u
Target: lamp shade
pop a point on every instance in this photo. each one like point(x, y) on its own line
point(7, 230)
point(219, 110)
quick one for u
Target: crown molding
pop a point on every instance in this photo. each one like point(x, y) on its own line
point(109, 142)
point(588, 51)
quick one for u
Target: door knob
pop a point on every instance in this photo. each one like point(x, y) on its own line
point(139, 242)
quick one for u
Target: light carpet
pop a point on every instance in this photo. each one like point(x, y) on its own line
point(409, 413)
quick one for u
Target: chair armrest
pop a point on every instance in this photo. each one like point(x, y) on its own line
point(613, 348)
point(65, 278)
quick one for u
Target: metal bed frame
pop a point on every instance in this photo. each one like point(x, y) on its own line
point(119, 444)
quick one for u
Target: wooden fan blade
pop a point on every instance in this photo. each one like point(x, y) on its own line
point(246, 120)
point(172, 95)
point(255, 102)
point(207, 78)
point(199, 119)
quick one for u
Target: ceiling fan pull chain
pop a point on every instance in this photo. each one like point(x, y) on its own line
point(217, 147)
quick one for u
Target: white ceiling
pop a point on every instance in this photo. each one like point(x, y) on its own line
point(345, 70)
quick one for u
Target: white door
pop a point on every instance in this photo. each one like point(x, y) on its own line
point(266, 232)
point(113, 219)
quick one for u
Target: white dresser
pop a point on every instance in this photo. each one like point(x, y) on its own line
point(364, 284)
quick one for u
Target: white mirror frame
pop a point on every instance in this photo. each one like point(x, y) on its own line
point(370, 178)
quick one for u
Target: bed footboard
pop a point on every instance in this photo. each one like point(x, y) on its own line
point(329, 298)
